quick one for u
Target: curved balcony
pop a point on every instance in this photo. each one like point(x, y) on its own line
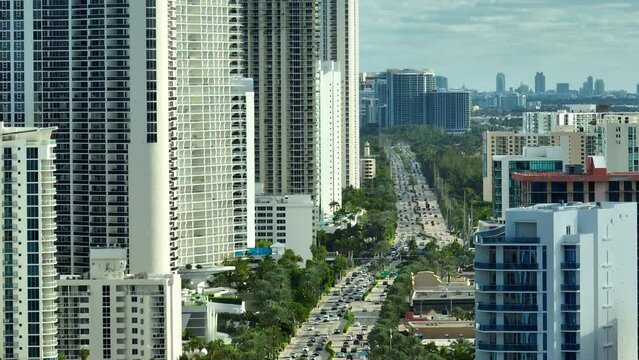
point(507, 328)
point(506, 266)
point(507, 347)
point(507, 308)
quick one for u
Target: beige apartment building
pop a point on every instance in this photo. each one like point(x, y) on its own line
point(579, 146)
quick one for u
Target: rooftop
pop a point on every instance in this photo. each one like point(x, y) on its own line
point(561, 176)
point(595, 171)
point(552, 207)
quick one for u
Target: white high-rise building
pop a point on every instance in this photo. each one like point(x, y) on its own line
point(119, 316)
point(330, 159)
point(558, 282)
point(28, 296)
point(339, 41)
point(142, 95)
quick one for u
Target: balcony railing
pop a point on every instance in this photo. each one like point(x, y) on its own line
point(507, 240)
point(507, 287)
point(507, 266)
point(513, 307)
point(517, 327)
point(570, 347)
point(569, 287)
point(507, 347)
point(569, 265)
point(570, 307)
point(570, 327)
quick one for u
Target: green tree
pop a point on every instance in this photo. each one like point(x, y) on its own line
point(263, 243)
point(240, 278)
point(61, 356)
point(84, 354)
point(195, 344)
point(412, 246)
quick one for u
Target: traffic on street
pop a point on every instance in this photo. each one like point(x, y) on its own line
point(359, 294)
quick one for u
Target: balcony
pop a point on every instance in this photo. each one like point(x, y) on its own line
point(505, 308)
point(507, 347)
point(570, 327)
point(570, 265)
point(492, 288)
point(502, 240)
point(570, 307)
point(506, 266)
point(569, 287)
point(570, 347)
point(513, 327)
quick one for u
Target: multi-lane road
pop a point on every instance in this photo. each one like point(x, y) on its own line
point(418, 212)
point(419, 216)
point(327, 321)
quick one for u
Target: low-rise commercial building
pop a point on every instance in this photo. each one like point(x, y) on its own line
point(430, 293)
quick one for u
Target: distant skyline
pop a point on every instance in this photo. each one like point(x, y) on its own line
point(470, 41)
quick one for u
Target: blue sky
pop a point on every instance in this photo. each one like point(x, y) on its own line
point(470, 41)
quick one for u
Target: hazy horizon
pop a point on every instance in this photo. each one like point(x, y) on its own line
point(470, 41)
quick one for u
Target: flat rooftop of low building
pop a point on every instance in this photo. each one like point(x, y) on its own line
point(444, 295)
point(561, 176)
point(554, 207)
point(452, 324)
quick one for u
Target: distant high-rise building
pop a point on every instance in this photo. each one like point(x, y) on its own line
point(330, 138)
point(558, 280)
point(540, 83)
point(405, 89)
point(501, 83)
point(138, 91)
point(563, 88)
point(28, 296)
point(637, 92)
point(281, 55)
point(600, 87)
point(447, 110)
point(523, 89)
point(339, 41)
point(590, 87)
point(441, 82)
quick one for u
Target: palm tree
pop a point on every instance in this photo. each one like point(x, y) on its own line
point(214, 348)
point(195, 344)
point(333, 205)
